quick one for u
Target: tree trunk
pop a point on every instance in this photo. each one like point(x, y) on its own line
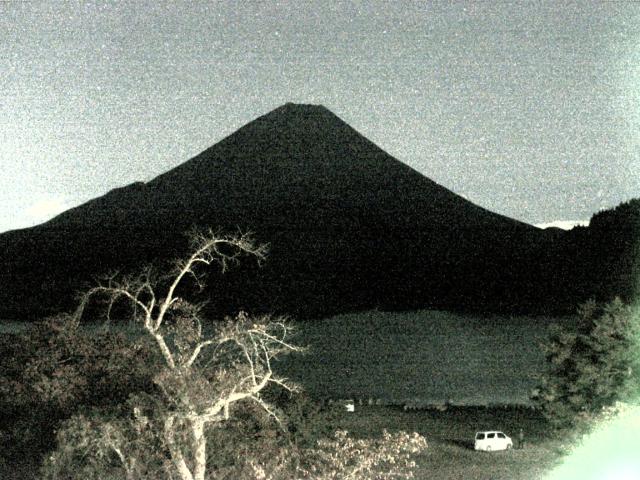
point(176, 454)
point(200, 449)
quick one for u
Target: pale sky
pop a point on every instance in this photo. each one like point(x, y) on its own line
point(530, 109)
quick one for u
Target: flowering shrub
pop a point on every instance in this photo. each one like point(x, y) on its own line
point(388, 457)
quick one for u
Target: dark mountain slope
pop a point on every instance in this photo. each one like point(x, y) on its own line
point(350, 227)
point(604, 259)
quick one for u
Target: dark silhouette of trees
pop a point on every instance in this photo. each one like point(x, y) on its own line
point(593, 367)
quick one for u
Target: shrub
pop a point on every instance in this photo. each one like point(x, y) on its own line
point(389, 457)
point(52, 369)
point(592, 367)
point(119, 442)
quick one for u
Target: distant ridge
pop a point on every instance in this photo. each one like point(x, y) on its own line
point(349, 226)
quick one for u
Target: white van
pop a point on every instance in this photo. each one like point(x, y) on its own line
point(492, 440)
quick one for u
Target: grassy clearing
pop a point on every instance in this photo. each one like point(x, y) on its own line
point(450, 437)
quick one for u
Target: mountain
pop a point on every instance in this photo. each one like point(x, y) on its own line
point(349, 228)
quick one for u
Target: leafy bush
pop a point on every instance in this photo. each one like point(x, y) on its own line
point(121, 442)
point(388, 457)
point(52, 369)
point(108, 445)
point(593, 367)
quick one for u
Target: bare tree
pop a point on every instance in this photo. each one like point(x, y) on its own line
point(205, 368)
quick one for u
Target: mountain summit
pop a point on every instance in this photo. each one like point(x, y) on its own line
point(349, 226)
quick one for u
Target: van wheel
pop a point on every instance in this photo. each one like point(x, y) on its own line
point(509, 447)
point(488, 449)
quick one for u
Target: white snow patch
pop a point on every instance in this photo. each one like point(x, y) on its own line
point(564, 224)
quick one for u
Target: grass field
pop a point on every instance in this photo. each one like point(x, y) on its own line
point(450, 434)
point(420, 358)
point(417, 358)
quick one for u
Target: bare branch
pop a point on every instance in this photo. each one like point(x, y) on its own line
point(206, 248)
point(164, 349)
point(285, 384)
point(267, 408)
point(215, 409)
point(197, 351)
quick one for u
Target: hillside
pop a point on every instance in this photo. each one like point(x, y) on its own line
point(349, 227)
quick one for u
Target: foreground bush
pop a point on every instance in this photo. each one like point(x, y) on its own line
point(49, 371)
point(386, 458)
point(104, 447)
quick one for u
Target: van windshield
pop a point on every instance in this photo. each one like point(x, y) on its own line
point(480, 436)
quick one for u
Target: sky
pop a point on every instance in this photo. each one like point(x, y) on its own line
point(529, 109)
